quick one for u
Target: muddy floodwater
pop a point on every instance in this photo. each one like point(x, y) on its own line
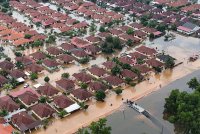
point(130, 122)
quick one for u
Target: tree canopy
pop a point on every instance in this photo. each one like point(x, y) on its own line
point(183, 108)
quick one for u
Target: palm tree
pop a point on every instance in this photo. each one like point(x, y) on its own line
point(7, 86)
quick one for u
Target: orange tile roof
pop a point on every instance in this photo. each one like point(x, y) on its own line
point(21, 41)
point(6, 129)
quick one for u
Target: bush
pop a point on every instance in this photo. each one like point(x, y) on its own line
point(118, 91)
point(100, 95)
point(46, 79)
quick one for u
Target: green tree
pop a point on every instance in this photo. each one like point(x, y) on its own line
point(19, 65)
point(37, 43)
point(109, 39)
point(62, 114)
point(27, 36)
point(102, 29)
point(117, 43)
point(18, 54)
point(116, 70)
point(118, 91)
point(65, 75)
point(100, 127)
point(151, 36)
point(42, 99)
point(3, 113)
point(7, 86)
point(3, 73)
point(83, 105)
point(130, 31)
point(129, 42)
point(46, 79)
point(193, 83)
point(126, 66)
point(83, 85)
point(33, 76)
point(128, 80)
point(51, 39)
point(100, 95)
point(169, 63)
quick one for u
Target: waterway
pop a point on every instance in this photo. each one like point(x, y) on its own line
point(128, 121)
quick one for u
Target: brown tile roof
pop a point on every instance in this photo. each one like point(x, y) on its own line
point(28, 98)
point(81, 94)
point(47, 90)
point(34, 68)
point(3, 80)
point(128, 74)
point(97, 71)
point(25, 60)
point(93, 39)
point(80, 43)
point(92, 49)
point(53, 50)
point(65, 58)
point(38, 55)
point(50, 63)
point(142, 68)
point(43, 110)
point(137, 55)
point(6, 65)
point(146, 50)
point(113, 80)
point(67, 46)
point(62, 101)
point(66, 84)
point(8, 104)
point(97, 86)
point(109, 64)
point(79, 53)
point(17, 74)
point(83, 77)
point(154, 63)
point(24, 121)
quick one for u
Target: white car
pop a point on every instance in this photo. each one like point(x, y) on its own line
point(26, 85)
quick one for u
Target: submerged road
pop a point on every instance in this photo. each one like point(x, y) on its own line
point(154, 120)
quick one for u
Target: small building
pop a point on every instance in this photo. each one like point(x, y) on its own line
point(67, 47)
point(24, 60)
point(97, 86)
point(128, 74)
point(108, 65)
point(154, 63)
point(97, 72)
point(28, 99)
point(65, 84)
point(92, 50)
point(65, 58)
point(43, 111)
point(19, 75)
point(38, 56)
point(151, 52)
point(114, 81)
point(3, 80)
point(62, 102)
point(25, 122)
point(54, 51)
point(6, 103)
point(34, 68)
point(81, 95)
point(50, 64)
point(47, 90)
point(79, 54)
point(82, 77)
point(6, 65)
point(188, 28)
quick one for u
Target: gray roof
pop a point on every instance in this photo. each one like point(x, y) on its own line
point(189, 25)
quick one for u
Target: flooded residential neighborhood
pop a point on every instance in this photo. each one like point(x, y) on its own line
point(98, 66)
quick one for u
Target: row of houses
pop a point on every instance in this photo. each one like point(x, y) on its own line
point(179, 19)
point(43, 15)
point(15, 32)
point(90, 11)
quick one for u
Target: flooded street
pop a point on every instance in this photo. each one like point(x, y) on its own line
point(131, 121)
